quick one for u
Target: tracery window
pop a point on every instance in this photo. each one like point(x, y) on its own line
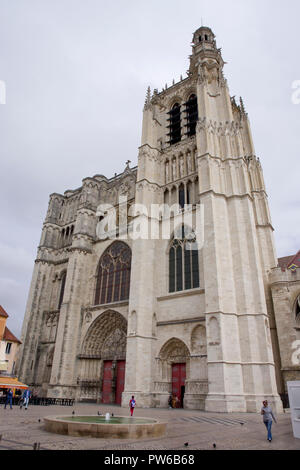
point(174, 124)
point(183, 262)
point(113, 277)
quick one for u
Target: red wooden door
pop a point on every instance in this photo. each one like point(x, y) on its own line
point(107, 382)
point(120, 379)
point(178, 382)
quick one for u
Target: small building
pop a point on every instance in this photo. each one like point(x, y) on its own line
point(285, 288)
point(9, 346)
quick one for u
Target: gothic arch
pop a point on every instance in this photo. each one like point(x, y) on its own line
point(106, 336)
point(189, 92)
point(175, 99)
point(296, 310)
point(104, 346)
point(183, 273)
point(174, 350)
point(171, 355)
point(113, 274)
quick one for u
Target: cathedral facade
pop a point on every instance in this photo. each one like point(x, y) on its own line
point(112, 313)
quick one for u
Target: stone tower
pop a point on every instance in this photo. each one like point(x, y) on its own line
point(196, 323)
point(238, 247)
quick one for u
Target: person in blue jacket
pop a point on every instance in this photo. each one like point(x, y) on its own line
point(9, 397)
point(26, 396)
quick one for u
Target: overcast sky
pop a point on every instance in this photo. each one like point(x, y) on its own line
point(76, 74)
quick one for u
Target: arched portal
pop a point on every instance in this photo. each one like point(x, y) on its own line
point(103, 358)
point(173, 368)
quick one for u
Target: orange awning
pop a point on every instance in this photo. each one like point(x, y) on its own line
point(11, 382)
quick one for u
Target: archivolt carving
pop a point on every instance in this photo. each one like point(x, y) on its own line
point(174, 351)
point(114, 346)
point(109, 330)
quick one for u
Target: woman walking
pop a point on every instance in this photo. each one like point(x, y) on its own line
point(268, 417)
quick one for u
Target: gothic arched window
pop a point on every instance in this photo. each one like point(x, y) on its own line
point(175, 124)
point(62, 288)
point(191, 111)
point(113, 277)
point(183, 262)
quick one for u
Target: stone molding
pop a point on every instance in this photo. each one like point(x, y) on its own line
point(181, 321)
point(175, 295)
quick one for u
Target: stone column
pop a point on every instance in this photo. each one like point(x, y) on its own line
point(139, 378)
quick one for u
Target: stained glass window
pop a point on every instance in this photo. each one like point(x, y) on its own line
point(113, 278)
point(183, 262)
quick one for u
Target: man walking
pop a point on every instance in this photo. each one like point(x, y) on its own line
point(26, 396)
point(9, 397)
point(268, 417)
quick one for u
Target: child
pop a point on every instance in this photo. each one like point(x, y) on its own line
point(132, 404)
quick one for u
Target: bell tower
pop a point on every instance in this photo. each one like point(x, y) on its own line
point(197, 148)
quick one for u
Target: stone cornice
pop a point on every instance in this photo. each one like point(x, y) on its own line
point(244, 159)
point(238, 196)
point(44, 261)
point(267, 225)
point(111, 306)
point(80, 249)
point(152, 148)
point(238, 314)
point(181, 321)
point(242, 363)
point(175, 295)
point(144, 182)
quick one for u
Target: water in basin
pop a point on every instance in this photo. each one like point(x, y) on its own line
point(103, 420)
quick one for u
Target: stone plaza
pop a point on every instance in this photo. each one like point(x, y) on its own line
point(21, 429)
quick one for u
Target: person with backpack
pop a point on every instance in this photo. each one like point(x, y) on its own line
point(132, 404)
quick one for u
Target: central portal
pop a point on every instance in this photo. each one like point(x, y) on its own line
point(103, 359)
point(113, 382)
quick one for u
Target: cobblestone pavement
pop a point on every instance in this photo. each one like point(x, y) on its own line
point(20, 429)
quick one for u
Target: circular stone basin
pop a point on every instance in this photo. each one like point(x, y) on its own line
point(117, 427)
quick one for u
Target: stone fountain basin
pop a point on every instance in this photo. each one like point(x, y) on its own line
point(118, 427)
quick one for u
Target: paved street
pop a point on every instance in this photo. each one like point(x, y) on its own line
point(20, 429)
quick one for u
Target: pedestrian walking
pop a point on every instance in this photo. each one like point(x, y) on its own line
point(26, 396)
point(9, 397)
point(268, 418)
point(132, 404)
point(170, 402)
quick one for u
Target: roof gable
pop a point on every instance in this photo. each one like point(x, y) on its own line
point(3, 312)
point(8, 336)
